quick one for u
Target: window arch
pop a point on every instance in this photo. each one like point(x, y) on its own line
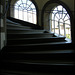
point(60, 22)
point(25, 10)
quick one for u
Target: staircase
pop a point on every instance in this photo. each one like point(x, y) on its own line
point(33, 52)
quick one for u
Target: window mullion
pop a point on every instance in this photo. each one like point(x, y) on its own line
point(54, 26)
point(59, 26)
point(50, 22)
point(64, 29)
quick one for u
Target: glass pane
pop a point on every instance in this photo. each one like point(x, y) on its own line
point(25, 16)
point(64, 10)
point(16, 14)
point(67, 22)
point(52, 25)
point(56, 27)
point(68, 31)
point(29, 2)
point(52, 16)
point(60, 8)
point(20, 17)
point(55, 9)
point(57, 17)
point(62, 29)
point(63, 15)
point(19, 2)
point(66, 18)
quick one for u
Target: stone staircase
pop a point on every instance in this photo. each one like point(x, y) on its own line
point(33, 52)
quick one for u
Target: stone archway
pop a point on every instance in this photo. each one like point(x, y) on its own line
point(46, 13)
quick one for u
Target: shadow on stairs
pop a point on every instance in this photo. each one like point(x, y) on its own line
point(33, 52)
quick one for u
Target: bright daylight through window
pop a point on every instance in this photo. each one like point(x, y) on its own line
point(60, 22)
point(25, 10)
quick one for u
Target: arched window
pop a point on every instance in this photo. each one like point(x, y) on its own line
point(25, 10)
point(60, 22)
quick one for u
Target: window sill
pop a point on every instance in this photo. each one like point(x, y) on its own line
point(66, 39)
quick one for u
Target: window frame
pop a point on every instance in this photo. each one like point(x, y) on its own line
point(53, 13)
point(26, 10)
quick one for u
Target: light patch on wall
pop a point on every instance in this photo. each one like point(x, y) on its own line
point(1, 23)
point(1, 9)
point(2, 40)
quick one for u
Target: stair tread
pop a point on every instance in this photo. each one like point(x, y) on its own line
point(34, 41)
point(43, 68)
point(46, 52)
point(14, 26)
point(40, 44)
point(12, 23)
point(30, 33)
point(13, 72)
point(38, 62)
point(38, 38)
point(24, 29)
point(9, 21)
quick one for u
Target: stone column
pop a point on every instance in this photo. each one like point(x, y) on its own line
point(2, 24)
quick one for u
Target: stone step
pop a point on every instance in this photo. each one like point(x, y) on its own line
point(38, 47)
point(29, 35)
point(34, 40)
point(10, 26)
point(46, 61)
point(38, 67)
point(11, 22)
point(16, 72)
point(19, 30)
point(51, 57)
